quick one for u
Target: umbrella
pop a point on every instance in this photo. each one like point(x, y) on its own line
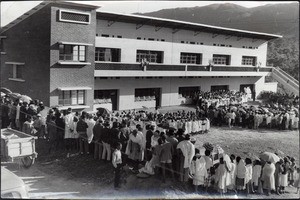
point(5, 90)
point(25, 98)
point(269, 157)
point(14, 96)
point(103, 111)
point(208, 146)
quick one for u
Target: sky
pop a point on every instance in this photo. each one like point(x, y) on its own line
point(11, 10)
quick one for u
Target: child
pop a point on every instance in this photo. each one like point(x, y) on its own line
point(248, 176)
point(256, 174)
point(117, 163)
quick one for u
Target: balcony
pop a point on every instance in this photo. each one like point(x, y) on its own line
point(104, 69)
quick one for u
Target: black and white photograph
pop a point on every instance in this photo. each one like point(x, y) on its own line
point(149, 99)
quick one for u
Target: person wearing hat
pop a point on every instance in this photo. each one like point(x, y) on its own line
point(186, 152)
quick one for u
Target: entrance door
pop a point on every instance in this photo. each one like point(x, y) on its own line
point(243, 86)
point(215, 88)
point(114, 99)
point(157, 94)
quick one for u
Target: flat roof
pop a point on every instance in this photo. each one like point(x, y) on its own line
point(176, 24)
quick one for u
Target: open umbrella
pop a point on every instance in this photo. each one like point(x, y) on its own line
point(25, 98)
point(5, 90)
point(269, 157)
point(14, 96)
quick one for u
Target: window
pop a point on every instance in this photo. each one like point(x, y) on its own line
point(17, 70)
point(221, 59)
point(71, 97)
point(191, 58)
point(74, 17)
point(72, 52)
point(104, 35)
point(145, 94)
point(249, 60)
point(187, 92)
point(108, 54)
point(104, 96)
point(151, 56)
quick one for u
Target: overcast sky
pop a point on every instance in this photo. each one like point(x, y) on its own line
point(11, 10)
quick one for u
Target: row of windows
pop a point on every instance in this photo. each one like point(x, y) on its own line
point(114, 55)
point(150, 39)
point(249, 47)
point(222, 45)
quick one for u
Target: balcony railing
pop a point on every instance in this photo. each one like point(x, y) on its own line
point(161, 67)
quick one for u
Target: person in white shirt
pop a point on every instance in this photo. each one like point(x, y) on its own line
point(186, 152)
point(69, 128)
point(117, 163)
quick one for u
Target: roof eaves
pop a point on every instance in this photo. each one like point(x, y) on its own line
point(273, 36)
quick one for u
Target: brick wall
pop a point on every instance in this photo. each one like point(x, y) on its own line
point(77, 75)
point(28, 42)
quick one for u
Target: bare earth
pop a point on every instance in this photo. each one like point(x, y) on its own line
point(56, 176)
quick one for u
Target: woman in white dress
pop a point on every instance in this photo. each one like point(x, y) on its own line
point(200, 173)
point(268, 177)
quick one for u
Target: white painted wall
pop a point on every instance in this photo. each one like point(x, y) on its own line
point(169, 86)
point(173, 46)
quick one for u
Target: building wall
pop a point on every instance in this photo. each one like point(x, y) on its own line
point(169, 87)
point(71, 75)
point(28, 42)
point(172, 45)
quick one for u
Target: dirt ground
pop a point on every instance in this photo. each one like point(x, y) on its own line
point(54, 176)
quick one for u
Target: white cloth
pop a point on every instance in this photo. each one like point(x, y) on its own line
point(116, 158)
point(69, 126)
point(248, 174)
point(221, 174)
point(188, 150)
point(195, 127)
point(241, 169)
point(200, 172)
point(232, 173)
point(90, 134)
point(148, 168)
point(18, 112)
point(256, 174)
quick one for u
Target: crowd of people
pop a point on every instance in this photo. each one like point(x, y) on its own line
point(227, 108)
point(161, 143)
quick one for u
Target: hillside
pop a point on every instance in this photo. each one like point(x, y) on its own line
point(282, 19)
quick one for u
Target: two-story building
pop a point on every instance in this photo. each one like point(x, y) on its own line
point(71, 55)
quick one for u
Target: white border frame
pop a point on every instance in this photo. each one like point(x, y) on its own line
point(75, 12)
